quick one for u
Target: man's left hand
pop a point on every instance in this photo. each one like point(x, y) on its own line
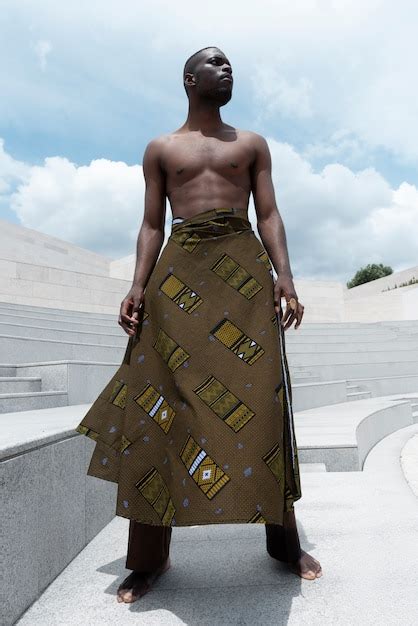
point(284, 288)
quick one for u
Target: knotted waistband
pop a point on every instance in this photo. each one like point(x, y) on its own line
point(213, 223)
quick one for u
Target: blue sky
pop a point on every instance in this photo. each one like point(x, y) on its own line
point(329, 83)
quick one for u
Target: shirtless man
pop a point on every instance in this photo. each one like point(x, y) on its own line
point(204, 164)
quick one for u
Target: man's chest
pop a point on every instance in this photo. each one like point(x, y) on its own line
point(185, 159)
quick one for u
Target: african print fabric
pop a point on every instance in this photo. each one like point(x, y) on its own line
point(196, 425)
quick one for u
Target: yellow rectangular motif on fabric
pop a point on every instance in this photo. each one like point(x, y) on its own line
point(182, 295)
point(236, 276)
point(156, 406)
point(224, 403)
point(169, 350)
point(207, 475)
point(237, 341)
point(154, 489)
point(274, 460)
point(118, 394)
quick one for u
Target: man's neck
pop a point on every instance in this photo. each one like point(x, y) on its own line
point(204, 117)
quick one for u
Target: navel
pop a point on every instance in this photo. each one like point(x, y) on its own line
point(233, 164)
point(179, 170)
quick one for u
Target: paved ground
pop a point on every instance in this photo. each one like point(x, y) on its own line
point(362, 526)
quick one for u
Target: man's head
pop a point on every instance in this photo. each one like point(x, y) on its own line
point(205, 76)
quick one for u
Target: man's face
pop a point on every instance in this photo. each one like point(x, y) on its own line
point(213, 77)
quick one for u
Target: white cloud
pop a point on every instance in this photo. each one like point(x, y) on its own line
point(12, 171)
point(275, 94)
point(42, 49)
point(336, 219)
point(342, 143)
point(98, 206)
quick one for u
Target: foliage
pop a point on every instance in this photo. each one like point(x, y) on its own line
point(372, 271)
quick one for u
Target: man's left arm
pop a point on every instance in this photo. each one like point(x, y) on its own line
point(272, 233)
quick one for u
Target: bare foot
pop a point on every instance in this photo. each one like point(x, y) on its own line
point(306, 566)
point(137, 584)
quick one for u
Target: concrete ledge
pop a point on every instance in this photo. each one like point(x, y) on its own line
point(15, 349)
point(311, 395)
point(50, 508)
point(342, 435)
point(409, 462)
point(385, 385)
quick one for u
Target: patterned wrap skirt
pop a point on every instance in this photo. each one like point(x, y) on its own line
point(196, 425)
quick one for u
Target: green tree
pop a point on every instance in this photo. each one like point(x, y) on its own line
point(368, 273)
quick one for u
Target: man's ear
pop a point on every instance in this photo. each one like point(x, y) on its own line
point(189, 79)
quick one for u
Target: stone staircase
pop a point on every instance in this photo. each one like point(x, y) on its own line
point(329, 362)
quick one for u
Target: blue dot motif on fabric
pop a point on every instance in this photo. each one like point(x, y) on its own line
point(248, 471)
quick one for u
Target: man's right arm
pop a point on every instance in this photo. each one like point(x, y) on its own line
point(151, 233)
point(150, 236)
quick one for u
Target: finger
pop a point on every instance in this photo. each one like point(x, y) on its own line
point(127, 319)
point(290, 320)
point(125, 306)
point(126, 327)
point(301, 311)
point(286, 313)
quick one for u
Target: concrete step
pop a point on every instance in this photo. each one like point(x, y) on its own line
point(79, 336)
point(16, 402)
point(352, 387)
point(358, 395)
point(19, 384)
point(341, 435)
point(40, 311)
point(29, 350)
point(7, 370)
point(52, 321)
point(352, 346)
point(325, 334)
point(221, 574)
point(312, 467)
point(362, 370)
point(312, 360)
point(299, 380)
point(343, 336)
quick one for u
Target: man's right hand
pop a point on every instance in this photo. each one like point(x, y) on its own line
point(129, 310)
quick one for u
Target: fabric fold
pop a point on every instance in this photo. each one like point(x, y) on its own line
point(196, 426)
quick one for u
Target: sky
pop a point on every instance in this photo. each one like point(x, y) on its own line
point(330, 84)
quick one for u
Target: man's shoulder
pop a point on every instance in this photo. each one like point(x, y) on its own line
point(158, 141)
point(253, 138)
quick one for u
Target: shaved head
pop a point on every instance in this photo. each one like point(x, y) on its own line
point(193, 60)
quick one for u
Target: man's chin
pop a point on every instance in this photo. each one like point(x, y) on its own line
point(223, 96)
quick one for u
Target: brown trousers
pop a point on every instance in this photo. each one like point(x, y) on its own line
point(149, 546)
